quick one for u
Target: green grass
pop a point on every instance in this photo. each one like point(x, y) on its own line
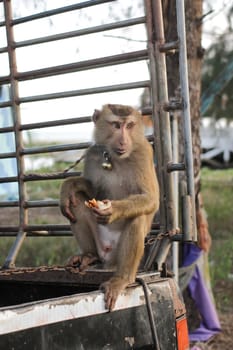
point(217, 190)
point(40, 251)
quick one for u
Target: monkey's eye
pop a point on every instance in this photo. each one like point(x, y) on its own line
point(116, 125)
point(130, 125)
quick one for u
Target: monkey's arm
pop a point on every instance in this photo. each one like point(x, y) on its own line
point(133, 206)
point(129, 207)
point(68, 192)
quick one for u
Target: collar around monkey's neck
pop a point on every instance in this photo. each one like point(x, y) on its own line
point(106, 164)
point(104, 155)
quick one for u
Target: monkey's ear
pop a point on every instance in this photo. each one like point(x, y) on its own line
point(96, 115)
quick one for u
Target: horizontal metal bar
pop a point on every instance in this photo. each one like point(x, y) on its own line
point(6, 129)
point(172, 46)
point(9, 228)
point(46, 227)
point(37, 230)
point(175, 167)
point(82, 92)
point(30, 204)
point(42, 227)
point(7, 155)
point(146, 110)
point(81, 32)
point(173, 105)
point(84, 65)
point(8, 179)
point(36, 177)
point(61, 122)
point(3, 49)
point(56, 148)
point(58, 11)
point(41, 204)
point(95, 63)
point(5, 79)
point(5, 104)
point(178, 237)
point(48, 149)
point(9, 204)
point(38, 234)
point(53, 123)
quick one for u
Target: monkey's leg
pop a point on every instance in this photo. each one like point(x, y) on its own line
point(84, 229)
point(129, 254)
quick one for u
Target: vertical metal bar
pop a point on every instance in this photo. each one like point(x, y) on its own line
point(183, 68)
point(175, 143)
point(165, 130)
point(161, 247)
point(10, 260)
point(155, 104)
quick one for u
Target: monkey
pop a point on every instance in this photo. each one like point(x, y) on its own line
point(118, 170)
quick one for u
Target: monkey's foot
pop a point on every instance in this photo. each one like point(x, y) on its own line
point(112, 289)
point(82, 261)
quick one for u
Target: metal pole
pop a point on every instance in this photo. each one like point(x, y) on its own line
point(164, 117)
point(186, 110)
point(175, 245)
point(155, 104)
point(9, 262)
point(161, 247)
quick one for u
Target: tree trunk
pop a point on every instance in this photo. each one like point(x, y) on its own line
point(193, 15)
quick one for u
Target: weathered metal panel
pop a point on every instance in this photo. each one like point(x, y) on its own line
point(81, 321)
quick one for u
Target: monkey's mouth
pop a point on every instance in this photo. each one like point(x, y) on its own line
point(120, 151)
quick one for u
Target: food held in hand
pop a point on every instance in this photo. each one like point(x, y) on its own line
point(93, 203)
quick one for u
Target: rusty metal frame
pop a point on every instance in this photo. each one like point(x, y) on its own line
point(155, 55)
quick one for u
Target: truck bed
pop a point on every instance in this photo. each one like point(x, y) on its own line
point(56, 308)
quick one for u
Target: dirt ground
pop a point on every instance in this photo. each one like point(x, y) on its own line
point(223, 290)
point(224, 340)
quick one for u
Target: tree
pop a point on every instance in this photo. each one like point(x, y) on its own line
point(218, 77)
point(195, 53)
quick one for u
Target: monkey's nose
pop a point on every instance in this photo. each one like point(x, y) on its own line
point(123, 140)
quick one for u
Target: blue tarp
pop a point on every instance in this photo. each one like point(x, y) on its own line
point(210, 324)
point(8, 166)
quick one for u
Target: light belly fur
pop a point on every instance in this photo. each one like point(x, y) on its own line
point(107, 242)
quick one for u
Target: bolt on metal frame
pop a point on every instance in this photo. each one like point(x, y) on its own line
point(155, 56)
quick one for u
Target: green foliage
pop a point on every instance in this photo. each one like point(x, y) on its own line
point(217, 58)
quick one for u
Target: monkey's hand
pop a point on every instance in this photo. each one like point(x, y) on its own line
point(103, 213)
point(68, 199)
point(66, 204)
point(70, 195)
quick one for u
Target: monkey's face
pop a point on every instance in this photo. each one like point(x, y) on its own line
point(120, 139)
point(119, 133)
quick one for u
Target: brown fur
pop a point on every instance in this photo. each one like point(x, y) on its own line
point(115, 235)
